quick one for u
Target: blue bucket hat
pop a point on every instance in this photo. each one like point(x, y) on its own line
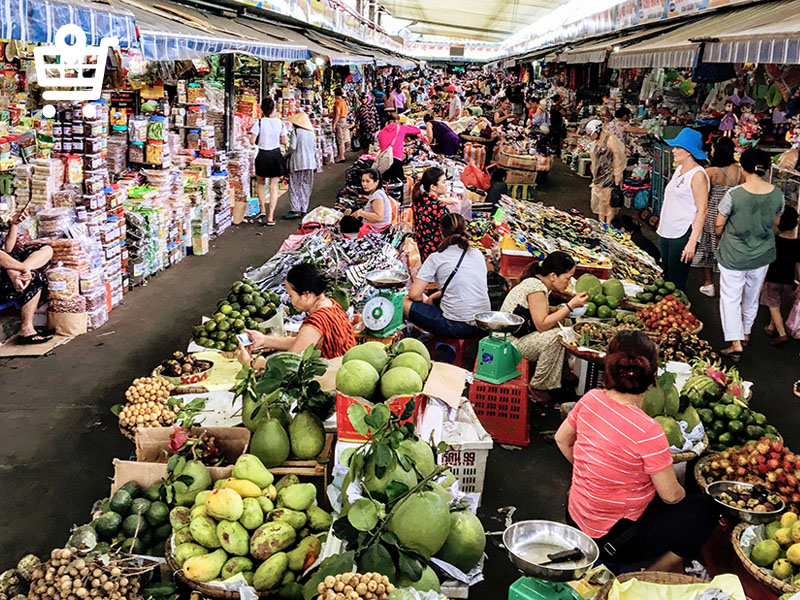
point(691, 141)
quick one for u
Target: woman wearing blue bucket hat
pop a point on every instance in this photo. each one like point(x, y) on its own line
point(683, 211)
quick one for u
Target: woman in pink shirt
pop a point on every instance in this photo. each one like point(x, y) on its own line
point(394, 134)
point(624, 493)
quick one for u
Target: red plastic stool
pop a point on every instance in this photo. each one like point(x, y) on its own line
point(460, 353)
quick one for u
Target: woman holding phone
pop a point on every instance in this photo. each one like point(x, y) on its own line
point(326, 325)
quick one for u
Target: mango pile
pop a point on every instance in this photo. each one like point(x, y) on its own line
point(247, 526)
point(369, 370)
point(780, 551)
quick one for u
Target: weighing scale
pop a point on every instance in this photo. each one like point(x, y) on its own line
point(531, 545)
point(383, 313)
point(498, 357)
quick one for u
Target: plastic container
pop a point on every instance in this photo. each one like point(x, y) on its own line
point(63, 283)
point(98, 318)
point(136, 152)
point(504, 409)
point(599, 272)
point(514, 262)
point(156, 129)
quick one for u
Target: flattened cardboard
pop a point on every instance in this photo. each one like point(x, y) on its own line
point(445, 382)
point(152, 442)
point(146, 474)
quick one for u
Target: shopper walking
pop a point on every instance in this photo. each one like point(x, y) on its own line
point(684, 208)
point(557, 129)
point(454, 110)
point(608, 166)
point(270, 133)
point(398, 96)
point(340, 124)
point(748, 216)
point(380, 102)
point(624, 492)
point(539, 339)
point(302, 164)
point(366, 122)
point(724, 173)
point(779, 291)
point(394, 135)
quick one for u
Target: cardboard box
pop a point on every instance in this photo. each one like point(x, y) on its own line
point(515, 176)
point(146, 473)
point(152, 442)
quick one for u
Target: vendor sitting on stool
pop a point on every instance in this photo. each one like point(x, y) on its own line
point(539, 339)
point(326, 326)
point(379, 210)
point(21, 279)
point(459, 272)
point(624, 493)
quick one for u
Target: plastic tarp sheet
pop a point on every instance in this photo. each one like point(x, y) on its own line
point(596, 51)
point(38, 21)
point(166, 33)
point(341, 54)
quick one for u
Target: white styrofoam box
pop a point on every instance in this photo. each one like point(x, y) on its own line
point(467, 440)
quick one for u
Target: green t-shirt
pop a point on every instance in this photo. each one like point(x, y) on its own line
point(748, 241)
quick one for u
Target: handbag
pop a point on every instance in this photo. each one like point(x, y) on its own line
point(617, 198)
point(527, 321)
point(385, 158)
point(453, 274)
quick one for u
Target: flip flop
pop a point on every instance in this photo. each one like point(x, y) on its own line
point(734, 355)
point(51, 331)
point(36, 338)
point(269, 223)
point(260, 218)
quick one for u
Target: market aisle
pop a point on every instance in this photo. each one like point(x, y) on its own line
point(59, 437)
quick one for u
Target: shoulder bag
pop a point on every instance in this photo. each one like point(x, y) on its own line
point(385, 158)
point(453, 274)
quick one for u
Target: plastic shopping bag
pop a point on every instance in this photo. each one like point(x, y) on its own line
point(476, 177)
point(793, 320)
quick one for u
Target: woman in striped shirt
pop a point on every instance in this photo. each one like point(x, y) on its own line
point(624, 493)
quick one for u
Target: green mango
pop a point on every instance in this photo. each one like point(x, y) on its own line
point(271, 538)
point(233, 537)
point(305, 554)
point(266, 504)
point(252, 516)
point(235, 565)
point(299, 496)
point(204, 532)
point(182, 536)
point(286, 481)
point(201, 480)
point(206, 567)
point(318, 519)
point(270, 573)
point(249, 467)
point(188, 550)
point(294, 518)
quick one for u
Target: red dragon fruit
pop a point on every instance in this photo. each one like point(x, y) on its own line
point(711, 370)
point(735, 386)
point(179, 437)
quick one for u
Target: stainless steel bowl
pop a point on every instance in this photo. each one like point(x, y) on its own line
point(387, 279)
point(756, 518)
point(495, 320)
point(529, 542)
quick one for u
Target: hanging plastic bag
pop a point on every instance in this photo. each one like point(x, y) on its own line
point(793, 320)
point(476, 177)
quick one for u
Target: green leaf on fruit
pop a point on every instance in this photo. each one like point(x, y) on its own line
point(357, 415)
point(408, 410)
point(395, 490)
point(116, 410)
point(376, 559)
point(383, 455)
point(410, 567)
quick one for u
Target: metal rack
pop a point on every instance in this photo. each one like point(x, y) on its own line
point(661, 174)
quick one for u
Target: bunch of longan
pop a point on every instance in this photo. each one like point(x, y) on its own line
point(69, 576)
point(146, 404)
point(354, 586)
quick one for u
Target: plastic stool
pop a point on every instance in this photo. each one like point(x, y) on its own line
point(460, 353)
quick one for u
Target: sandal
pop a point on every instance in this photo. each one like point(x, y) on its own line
point(769, 331)
point(260, 218)
point(269, 223)
point(734, 355)
point(36, 338)
point(51, 331)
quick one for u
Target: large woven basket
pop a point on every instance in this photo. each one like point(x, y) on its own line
point(698, 469)
point(682, 457)
point(759, 574)
point(208, 590)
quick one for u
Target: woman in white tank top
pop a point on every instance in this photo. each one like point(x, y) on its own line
point(683, 211)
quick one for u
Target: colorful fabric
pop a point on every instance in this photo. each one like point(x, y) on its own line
point(428, 212)
point(367, 120)
point(337, 331)
point(300, 185)
point(38, 283)
point(618, 448)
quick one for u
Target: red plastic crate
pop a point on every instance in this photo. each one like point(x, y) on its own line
point(513, 262)
point(599, 272)
point(503, 409)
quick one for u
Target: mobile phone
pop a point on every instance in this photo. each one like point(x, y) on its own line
point(24, 208)
point(244, 339)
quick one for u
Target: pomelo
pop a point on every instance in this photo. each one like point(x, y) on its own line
point(394, 472)
point(412, 360)
point(612, 288)
point(466, 542)
point(420, 453)
point(586, 282)
point(425, 507)
point(427, 581)
point(400, 381)
point(372, 352)
point(357, 378)
point(413, 345)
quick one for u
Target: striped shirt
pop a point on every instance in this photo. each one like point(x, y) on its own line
point(617, 448)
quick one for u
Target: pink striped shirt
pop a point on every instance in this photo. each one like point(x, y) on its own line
point(617, 448)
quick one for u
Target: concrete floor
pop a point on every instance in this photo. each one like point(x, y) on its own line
point(59, 437)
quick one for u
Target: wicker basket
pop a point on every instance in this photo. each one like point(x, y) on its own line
point(759, 574)
point(682, 457)
point(698, 469)
point(208, 590)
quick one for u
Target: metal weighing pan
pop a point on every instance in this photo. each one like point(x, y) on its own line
point(501, 322)
point(718, 487)
point(529, 542)
point(385, 279)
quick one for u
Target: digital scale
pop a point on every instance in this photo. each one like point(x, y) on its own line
point(383, 313)
point(498, 357)
point(549, 554)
